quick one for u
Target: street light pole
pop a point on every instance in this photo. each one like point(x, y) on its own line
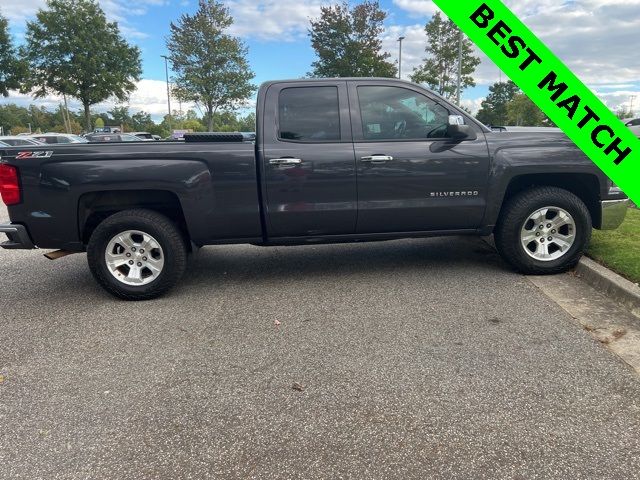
point(633, 97)
point(400, 58)
point(166, 69)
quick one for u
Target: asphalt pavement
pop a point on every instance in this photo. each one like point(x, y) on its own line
point(423, 358)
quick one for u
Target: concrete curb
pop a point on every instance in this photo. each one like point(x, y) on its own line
point(611, 284)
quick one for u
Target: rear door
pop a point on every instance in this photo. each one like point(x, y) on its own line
point(411, 176)
point(308, 162)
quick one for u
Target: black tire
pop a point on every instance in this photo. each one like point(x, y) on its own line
point(515, 213)
point(163, 231)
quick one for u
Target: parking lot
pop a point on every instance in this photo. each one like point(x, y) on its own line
point(407, 359)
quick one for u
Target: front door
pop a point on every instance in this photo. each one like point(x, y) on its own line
point(411, 177)
point(308, 160)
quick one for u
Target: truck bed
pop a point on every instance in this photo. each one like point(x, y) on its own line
point(215, 184)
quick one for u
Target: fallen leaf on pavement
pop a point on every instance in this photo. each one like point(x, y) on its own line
point(298, 386)
point(276, 322)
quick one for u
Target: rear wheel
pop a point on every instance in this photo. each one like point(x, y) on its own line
point(543, 230)
point(137, 254)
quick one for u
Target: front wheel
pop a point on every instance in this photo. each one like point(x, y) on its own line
point(543, 230)
point(137, 254)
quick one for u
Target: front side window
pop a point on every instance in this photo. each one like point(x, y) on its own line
point(309, 114)
point(396, 113)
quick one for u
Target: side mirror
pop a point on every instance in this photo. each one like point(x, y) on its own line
point(458, 130)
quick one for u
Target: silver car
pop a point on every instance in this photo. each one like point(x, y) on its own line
point(56, 138)
point(19, 141)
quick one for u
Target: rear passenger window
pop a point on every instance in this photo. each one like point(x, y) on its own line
point(309, 114)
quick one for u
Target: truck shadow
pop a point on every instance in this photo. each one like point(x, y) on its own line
point(427, 256)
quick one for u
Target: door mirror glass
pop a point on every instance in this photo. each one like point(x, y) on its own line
point(456, 120)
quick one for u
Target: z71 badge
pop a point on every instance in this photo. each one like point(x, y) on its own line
point(36, 154)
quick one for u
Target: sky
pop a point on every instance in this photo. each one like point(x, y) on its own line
point(597, 39)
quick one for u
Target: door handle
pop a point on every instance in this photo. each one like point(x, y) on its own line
point(285, 161)
point(377, 158)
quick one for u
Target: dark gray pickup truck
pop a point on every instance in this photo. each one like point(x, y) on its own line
point(334, 160)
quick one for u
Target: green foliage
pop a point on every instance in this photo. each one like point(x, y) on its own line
point(440, 69)
point(16, 120)
point(347, 42)
point(72, 48)
point(493, 110)
point(210, 65)
point(522, 112)
point(618, 249)
point(11, 69)
point(623, 113)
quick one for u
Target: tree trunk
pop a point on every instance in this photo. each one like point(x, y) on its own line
point(87, 118)
point(210, 113)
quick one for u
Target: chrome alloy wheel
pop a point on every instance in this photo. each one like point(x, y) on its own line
point(548, 234)
point(134, 258)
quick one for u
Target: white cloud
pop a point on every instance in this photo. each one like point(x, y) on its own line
point(413, 46)
point(273, 20)
point(116, 10)
point(597, 39)
point(417, 7)
point(473, 104)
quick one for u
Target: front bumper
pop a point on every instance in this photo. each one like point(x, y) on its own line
point(613, 213)
point(18, 236)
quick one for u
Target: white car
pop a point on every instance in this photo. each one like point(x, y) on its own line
point(58, 138)
point(632, 122)
point(146, 136)
point(18, 141)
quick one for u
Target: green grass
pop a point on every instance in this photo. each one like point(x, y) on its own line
point(620, 249)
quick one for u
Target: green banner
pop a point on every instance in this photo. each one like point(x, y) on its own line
point(552, 86)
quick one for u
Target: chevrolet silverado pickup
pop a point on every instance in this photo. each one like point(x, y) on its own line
point(333, 160)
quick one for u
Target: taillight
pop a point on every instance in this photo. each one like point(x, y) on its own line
point(9, 184)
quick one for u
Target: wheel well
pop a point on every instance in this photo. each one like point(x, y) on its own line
point(94, 207)
point(585, 186)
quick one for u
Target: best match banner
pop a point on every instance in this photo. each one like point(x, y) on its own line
point(552, 86)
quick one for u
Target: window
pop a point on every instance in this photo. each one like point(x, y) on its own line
point(634, 123)
point(309, 114)
point(395, 113)
point(63, 140)
point(46, 139)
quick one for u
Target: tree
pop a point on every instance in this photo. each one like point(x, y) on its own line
point(347, 42)
point(622, 113)
point(11, 69)
point(522, 112)
point(493, 110)
point(440, 69)
point(210, 65)
point(73, 50)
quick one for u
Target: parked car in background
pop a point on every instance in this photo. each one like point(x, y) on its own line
point(144, 136)
point(58, 138)
point(112, 137)
point(632, 122)
point(3, 144)
point(17, 141)
point(108, 129)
